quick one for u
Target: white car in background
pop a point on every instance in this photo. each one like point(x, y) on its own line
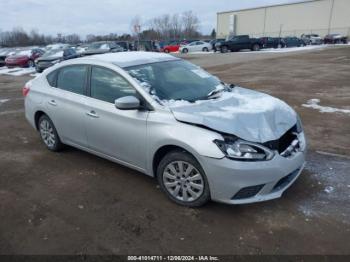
point(196, 46)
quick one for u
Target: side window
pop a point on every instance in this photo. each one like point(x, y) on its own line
point(108, 86)
point(72, 78)
point(51, 78)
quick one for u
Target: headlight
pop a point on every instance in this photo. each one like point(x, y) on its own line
point(244, 151)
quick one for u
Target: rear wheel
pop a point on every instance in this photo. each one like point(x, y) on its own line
point(49, 134)
point(166, 51)
point(224, 49)
point(183, 180)
point(256, 47)
point(185, 51)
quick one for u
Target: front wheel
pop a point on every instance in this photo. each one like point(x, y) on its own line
point(31, 63)
point(183, 180)
point(49, 134)
point(185, 51)
point(205, 49)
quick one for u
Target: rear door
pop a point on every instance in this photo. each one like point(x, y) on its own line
point(66, 103)
point(120, 134)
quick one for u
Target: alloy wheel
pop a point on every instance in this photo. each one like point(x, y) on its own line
point(183, 181)
point(47, 133)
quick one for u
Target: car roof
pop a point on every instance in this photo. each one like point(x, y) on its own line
point(127, 59)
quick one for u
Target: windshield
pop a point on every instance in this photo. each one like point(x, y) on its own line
point(175, 80)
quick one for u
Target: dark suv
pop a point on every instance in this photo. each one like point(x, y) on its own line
point(238, 43)
point(273, 42)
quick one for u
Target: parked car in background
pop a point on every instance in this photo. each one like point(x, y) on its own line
point(126, 45)
point(140, 109)
point(80, 49)
point(171, 47)
point(53, 57)
point(147, 45)
point(196, 46)
point(335, 39)
point(4, 52)
point(213, 43)
point(273, 42)
point(311, 39)
point(56, 46)
point(24, 57)
point(292, 41)
point(102, 48)
point(238, 43)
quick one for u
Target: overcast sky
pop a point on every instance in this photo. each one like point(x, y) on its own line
point(109, 16)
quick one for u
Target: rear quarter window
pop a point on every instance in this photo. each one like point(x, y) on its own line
point(51, 78)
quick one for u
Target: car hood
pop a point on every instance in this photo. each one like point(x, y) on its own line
point(96, 51)
point(49, 58)
point(247, 114)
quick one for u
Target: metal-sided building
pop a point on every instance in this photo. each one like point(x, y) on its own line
point(313, 16)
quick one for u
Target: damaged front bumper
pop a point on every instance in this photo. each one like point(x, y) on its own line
point(242, 182)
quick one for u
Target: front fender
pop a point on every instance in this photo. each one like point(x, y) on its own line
point(164, 130)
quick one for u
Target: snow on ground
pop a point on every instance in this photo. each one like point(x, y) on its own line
point(314, 104)
point(329, 188)
point(17, 71)
point(2, 101)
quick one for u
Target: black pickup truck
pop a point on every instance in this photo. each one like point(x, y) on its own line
point(239, 42)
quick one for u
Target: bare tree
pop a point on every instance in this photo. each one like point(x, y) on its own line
point(190, 24)
point(72, 39)
point(135, 25)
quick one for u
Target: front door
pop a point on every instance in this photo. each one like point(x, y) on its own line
point(120, 134)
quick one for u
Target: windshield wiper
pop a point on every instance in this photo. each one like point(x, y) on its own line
point(216, 93)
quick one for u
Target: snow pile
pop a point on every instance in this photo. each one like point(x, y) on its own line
point(3, 101)
point(314, 104)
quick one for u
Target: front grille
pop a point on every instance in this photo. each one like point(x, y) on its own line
point(284, 141)
point(247, 192)
point(283, 182)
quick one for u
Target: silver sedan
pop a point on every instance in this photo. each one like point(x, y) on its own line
point(197, 46)
point(199, 137)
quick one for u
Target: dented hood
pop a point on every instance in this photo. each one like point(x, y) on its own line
point(247, 114)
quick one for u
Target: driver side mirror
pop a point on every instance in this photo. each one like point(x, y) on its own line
point(127, 103)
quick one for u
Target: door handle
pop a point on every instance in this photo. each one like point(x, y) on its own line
point(53, 103)
point(92, 114)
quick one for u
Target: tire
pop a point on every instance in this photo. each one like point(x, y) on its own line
point(166, 51)
point(205, 49)
point(48, 134)
point(38, 70)
point(256, 47)
point(224, 49)
point(175, 183)
point(31, 63)
point(185, 51)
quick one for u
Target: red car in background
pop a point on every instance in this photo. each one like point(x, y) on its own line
point(172, 47)
point(24, 58)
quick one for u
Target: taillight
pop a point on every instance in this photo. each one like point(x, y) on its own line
point(25, 91)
